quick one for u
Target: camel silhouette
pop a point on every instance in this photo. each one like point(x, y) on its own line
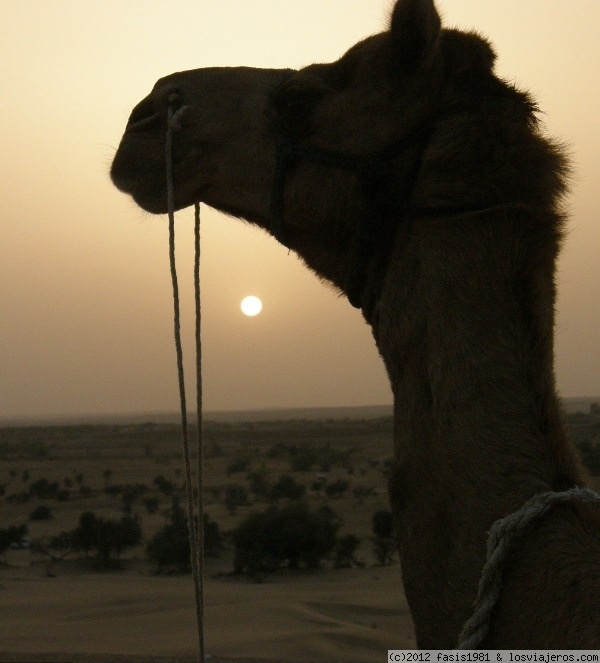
point(422, 186)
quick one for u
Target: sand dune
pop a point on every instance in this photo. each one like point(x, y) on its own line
point(354, 615)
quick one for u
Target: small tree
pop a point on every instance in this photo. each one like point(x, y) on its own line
point(238, 465)
point(235, 495)
point(170, 548)
point(151, 504)
point(11, 535)
point(287, 488)
point(345, 552)
point(41, 512)
point(107, 538)
point(383, 540)
point(259, 483)
point(336, 488)
point(44, 489)
point(164, 485)
point(292, 535)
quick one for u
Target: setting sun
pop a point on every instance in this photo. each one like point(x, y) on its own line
point(251, 306)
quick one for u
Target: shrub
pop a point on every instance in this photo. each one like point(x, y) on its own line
point(235, 495)
point(41, 512)
point(383, 524)
point(151, 504)
point(287, 488)
point(107, 538)
point(239, 465)
point(345, 551)
point(43, 489)
point(293, 535)
point(259, 484)
point(336, 488)
point(170, 548)
point(383, 540)
point(164, 485)
point(10, 536)
point(303, 459)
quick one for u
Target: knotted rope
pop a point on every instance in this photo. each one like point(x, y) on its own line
point(501, 539)
point(195, 518)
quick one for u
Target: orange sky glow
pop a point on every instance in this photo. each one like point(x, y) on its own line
point(84, 278)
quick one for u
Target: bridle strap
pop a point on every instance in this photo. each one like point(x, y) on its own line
point(374, 172)
point(383, 197)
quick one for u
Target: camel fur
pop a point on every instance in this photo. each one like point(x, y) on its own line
point(456, 281)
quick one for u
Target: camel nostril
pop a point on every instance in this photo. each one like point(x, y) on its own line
point(175, 100)
point(143, 115)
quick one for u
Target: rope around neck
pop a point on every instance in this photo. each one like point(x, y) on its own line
point(501, 539)
point(195, 519)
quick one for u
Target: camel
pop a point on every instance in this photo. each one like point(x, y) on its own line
point(421, 185)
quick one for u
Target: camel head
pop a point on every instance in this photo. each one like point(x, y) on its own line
point(330, 158)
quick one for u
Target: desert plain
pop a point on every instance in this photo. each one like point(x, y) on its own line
point(70, 610)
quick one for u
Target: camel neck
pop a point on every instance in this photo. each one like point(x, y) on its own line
point(478, 429)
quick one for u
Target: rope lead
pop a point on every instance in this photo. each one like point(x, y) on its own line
point(195, 526)
point(501, 538)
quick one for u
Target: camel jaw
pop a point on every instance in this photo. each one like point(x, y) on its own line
point(222, 152)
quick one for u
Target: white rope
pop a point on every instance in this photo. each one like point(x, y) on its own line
point(501, 539)
point(196, 528)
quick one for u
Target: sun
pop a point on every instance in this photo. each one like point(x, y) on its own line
point(251, 306)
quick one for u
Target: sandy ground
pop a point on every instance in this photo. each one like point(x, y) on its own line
point(351, 615)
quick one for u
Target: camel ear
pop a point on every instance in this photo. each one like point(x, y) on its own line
point(415, 30)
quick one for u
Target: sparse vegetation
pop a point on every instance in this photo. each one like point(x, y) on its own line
point(106, 538)
point(294, 536)
point(120, 488)
point(170, 547)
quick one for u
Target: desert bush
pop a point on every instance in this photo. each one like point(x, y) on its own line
point(287, 488)
point(336, 488)
point(170, 547)
point(164, 485)
point(360, 492)
point(293, 535)
point(151, 504)
point(11, 535)
point(18, 498)
point(345, 552)
point(130, 494)
point(238, 465)
point(107, 538)
point(384, 544)
point(235, 495)
point(55, 548)
point(303, 459)
point(41, 512)
point(43, 489)
point(259, 484)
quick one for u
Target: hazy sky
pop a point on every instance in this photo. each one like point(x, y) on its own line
point(84, 282)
